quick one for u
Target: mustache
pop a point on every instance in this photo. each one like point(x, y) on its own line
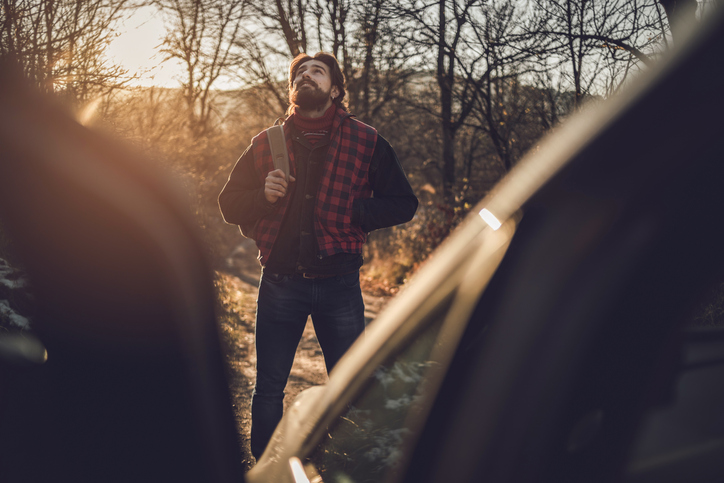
point(306, 82)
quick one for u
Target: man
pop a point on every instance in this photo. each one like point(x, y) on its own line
point(345, 181)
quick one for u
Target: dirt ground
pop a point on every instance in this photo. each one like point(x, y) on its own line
point(238, 286)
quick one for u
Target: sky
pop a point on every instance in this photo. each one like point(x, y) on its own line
point(136, 49)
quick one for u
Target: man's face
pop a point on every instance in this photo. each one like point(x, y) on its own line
point(312, 86)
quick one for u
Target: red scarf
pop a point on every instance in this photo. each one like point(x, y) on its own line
point(315, 129)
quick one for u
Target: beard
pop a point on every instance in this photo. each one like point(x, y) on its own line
point(310, 97)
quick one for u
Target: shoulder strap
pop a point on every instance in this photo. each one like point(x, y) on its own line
point(278, 146)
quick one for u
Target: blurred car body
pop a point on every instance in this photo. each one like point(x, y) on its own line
point(547, 340)
point(134, 387)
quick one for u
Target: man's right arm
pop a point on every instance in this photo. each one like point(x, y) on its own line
point(242, 201)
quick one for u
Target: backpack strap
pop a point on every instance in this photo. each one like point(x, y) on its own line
point(278, 146)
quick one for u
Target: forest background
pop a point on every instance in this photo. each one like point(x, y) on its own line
point(460, 88)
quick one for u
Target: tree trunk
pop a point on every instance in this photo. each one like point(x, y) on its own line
point(288, 31)
point(445, 80)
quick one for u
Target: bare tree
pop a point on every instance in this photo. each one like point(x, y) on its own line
point(285, 17)
point(273, 32)
point(260, 66)
point(203, 35)
point(379, 63)
point(438, 28)
point(592, 36)
point(358, 34)
point(339, 13)
point(148, 117)
point(476, 46)
point(59, 45)
point(504, 41)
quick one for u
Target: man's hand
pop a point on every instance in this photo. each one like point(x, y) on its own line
point(275, 185)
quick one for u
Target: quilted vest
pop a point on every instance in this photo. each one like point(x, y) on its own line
point(344, 179)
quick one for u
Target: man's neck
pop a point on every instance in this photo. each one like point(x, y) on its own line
point(314, 113)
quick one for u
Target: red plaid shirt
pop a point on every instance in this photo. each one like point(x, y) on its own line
point(345, 179)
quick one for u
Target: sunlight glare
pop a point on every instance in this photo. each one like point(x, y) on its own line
point(298, 470)
point(136, 47)
point(88, 111)
point(490, 219)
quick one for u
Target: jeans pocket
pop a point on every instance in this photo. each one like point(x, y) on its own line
point(349, 280)
point(274, 278)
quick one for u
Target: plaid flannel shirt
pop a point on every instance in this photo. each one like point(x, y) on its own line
point(345, 179)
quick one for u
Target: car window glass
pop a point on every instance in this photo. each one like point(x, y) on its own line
point(365, 443)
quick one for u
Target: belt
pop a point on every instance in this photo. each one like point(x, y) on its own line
point(312, 276)
point(316, 275)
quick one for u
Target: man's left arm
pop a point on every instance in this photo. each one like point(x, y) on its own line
point(393, 200)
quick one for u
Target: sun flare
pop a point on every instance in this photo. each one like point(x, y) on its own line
point(136, 48)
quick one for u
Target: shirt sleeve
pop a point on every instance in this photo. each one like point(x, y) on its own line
point(393, 201)
point(242, 201)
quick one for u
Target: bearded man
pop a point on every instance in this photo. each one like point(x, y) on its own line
point(345, 181)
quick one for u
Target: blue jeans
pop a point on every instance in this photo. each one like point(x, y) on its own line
point(283, 306)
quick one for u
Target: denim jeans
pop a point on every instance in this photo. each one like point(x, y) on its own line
point(283, 306)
